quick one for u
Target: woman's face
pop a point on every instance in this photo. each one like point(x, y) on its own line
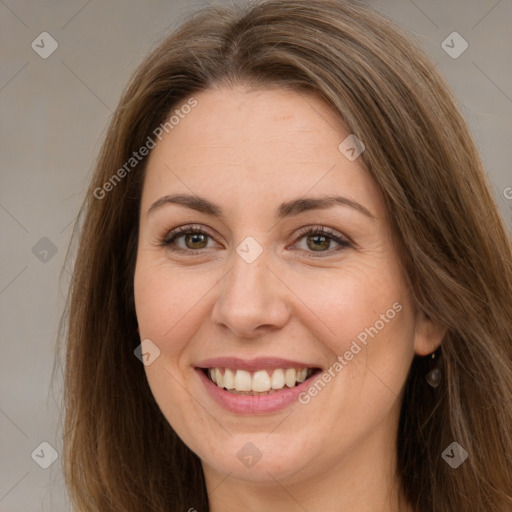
point(254, 293)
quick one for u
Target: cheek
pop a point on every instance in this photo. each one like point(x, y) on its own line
point(364, 316)
point(167, 302)
point(168, 309)
point(356, 302)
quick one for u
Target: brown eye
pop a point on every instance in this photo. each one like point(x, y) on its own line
point(320, 239)
point(318, 242)
point(194, 238)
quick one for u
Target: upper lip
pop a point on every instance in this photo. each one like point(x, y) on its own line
point(251, 365)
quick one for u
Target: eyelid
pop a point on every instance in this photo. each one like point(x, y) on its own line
point(180, 230)
point(168, 241)
point(344, 241)
point(309, 230)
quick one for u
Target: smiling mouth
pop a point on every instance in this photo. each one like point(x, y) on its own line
point(260, 382)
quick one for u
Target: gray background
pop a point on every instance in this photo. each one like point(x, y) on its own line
point(54, 114)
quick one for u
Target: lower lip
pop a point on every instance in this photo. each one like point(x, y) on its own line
point(257, 404)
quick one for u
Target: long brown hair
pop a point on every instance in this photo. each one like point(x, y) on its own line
point(119, 452)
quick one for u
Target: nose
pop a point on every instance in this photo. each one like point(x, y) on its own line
point(252, 300)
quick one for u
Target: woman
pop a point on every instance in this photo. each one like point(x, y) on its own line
point(215, 360)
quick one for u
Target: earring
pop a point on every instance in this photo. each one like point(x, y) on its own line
point(433, 377)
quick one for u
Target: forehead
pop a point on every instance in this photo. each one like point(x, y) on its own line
point(256, 145)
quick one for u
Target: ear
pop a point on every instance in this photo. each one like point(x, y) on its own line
point(428, 335)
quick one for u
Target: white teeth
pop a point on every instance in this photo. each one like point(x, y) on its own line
point(229, 379)
point(278, 379)
point(243, 381)
point(219, 378)
point(290, 377)
point(260, 381)
point(301, 375)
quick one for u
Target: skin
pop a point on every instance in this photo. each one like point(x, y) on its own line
point(248, 151)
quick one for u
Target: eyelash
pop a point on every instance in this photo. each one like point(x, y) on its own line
point(309, 231)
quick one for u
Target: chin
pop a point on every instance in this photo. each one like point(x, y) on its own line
point(258, 458)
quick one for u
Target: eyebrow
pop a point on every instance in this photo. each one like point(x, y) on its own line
point(286, 209)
